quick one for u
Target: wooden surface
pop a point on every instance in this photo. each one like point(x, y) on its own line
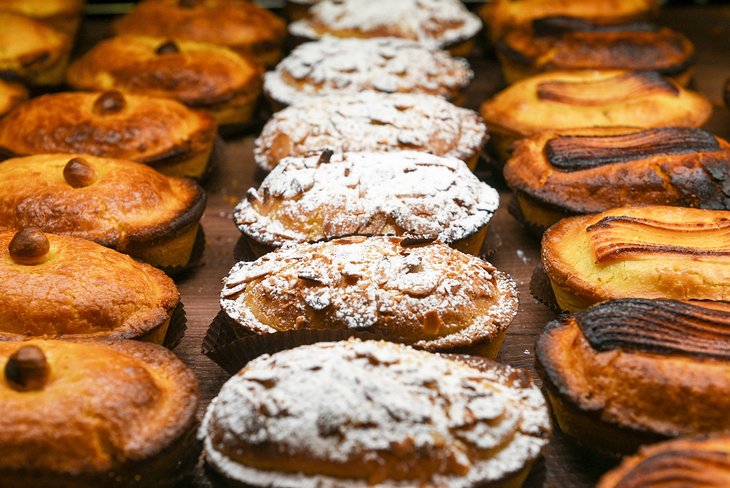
point(564, 465)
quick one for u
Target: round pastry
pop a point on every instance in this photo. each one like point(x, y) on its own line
point(57, 286)
point(11, 95)
point(371, 122)
point(162, 133)
point(644, 252)
point(350, 66)
point(64, 15)
point(370, 413)
point(203, 76)
point(119, 204)
point(444, 24)
point(425, 197)
point(244, 27)
point(563, 43)
point(90, 414)
point(427, 295)
point(575, 99)
point(560, 174)
point(631, 372)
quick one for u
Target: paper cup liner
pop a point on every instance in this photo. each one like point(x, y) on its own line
point(513, 207)
point(196, 256)
point(542, 291)
point(177, 327)
point(221, 332)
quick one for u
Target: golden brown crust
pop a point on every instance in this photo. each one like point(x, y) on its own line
point(11, 95)
point(44, 9)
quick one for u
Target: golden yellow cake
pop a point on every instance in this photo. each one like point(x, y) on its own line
point(11, 95)
point(64, 15)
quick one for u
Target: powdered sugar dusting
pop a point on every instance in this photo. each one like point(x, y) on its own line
point(376, 404)
point(349, 66)
point(372, 122)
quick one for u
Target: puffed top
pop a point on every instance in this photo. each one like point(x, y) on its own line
point(429, 295)
point(370, 121)
point(570, 99)
point(437, 23)
point(11, 94)
point(75, 287)
point(364, 413)
point(349, 66)
point(196, 74)
point(592, 170)
point(30, 46)
point(307, 199)
point(146, 129)
point(113, 202)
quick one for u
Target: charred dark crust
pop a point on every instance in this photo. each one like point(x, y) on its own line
point(557, 25)
point(592, 93)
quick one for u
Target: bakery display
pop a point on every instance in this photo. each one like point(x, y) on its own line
point(642, 252)
point(162, 133)
point(418, 195)
point(371, 122)
point(202, 76)
point(11, 95)
point(633, 371)
point(559, 174)
point(428, 295)
point(63, 15)
point(364, 413)
point(89, 414)
point(444, 24)
point(569, 100)
point(243, 26)
point(350, 66)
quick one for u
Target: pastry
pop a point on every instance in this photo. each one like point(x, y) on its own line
point(123, 205)
point(162, 133)
point(202, 76)
point(634, 371)
point(427, 295)
point(243, 26)
point(425, 197)
point(375, 122)
point(561, 43)
point(366, 413)
point(11, 95)
point(560, 174)
point(444, 24)
point(64, 15)
point(89, 414)
point(577, 99)
point(644, 252)
point(350, 66)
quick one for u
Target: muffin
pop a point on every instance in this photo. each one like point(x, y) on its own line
point(642, 252)
point(119, 204)
point(376, 122)
point(443, 24)
point(631, 372)
point(418, 195)
point(369, 413)
point(162, 133)
point(572, 172)
point(578, 99)
point(428, 295)
point(64, 15)
point(88, 414)
point(245, 27)
point(11, 95)
point(350, 66)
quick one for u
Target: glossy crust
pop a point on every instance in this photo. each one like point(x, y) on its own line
point(375, 413)
point(11, 95)
point(638, 371)
point(242, 26)
point(647, 252)
point(64, 15)
point(110, 414)
point(81, 289)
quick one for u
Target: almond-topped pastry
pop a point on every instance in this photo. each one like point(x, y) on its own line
point(119, 204)
point(428, 295)
point(11, 95)
point(203, 76)
point(89, 414)
point(245, 27)
point(307, 199)
point(559, 174)
point(371, 122)
point(445, 24)
point(159, 132)
point(576, 99)
point(64, 15)
point(367, 413)
point(631, 372)
point(564, 43)
point(646, 252)
point(58, 286)
point(349, 66)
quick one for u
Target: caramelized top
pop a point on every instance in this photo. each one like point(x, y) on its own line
point(606, 91)
point(29, 46)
